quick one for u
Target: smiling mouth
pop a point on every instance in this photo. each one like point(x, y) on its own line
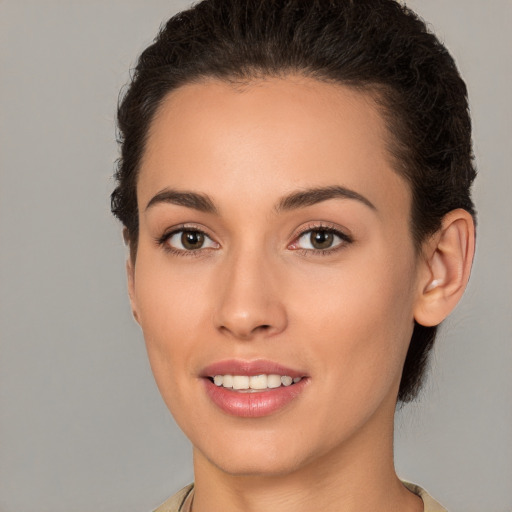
point(253, 383)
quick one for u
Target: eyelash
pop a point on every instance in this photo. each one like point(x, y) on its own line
point(163, 241)
point(345, 240)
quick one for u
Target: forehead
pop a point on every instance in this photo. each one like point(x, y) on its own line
point(267, 137)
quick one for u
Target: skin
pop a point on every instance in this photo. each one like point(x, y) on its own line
point(256, 291)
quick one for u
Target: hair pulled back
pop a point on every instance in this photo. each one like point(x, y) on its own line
point(377, 46)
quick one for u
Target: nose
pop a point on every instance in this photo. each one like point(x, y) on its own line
point(249, 303)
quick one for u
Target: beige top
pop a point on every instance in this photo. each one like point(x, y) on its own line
point(182, 500)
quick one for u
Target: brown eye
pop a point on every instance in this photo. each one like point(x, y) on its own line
point(321, 239)
point(187, 240)
point(192, 240)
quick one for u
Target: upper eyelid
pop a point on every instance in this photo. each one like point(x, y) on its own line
point(186, 227)
point(325, 226)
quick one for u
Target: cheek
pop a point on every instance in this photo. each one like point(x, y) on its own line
point(170, 297)
point(172, 311)
point(356, 328)
point(360, 314)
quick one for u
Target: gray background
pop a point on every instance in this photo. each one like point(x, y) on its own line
point(82, 426)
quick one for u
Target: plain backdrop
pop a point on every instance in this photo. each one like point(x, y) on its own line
point(82, 426)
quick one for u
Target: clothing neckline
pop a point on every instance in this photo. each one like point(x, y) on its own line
point(183, 499)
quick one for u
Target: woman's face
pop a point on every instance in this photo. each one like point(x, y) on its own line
point(274, 240)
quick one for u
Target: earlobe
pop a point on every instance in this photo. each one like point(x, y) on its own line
point(448, 256)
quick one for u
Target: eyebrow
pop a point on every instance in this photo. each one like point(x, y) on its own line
point(309, 197)
point(293, 201)
point(200, 202)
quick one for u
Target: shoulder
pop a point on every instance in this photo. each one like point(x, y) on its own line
point(429, 503)
point(176, 502)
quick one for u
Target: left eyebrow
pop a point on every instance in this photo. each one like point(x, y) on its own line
point(200, 202)
point(309, 197)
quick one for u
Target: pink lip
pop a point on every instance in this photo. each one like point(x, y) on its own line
point(257, 404)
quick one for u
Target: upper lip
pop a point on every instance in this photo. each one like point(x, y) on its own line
point(256, 367)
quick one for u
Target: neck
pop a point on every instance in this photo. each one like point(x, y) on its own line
point(357, 476)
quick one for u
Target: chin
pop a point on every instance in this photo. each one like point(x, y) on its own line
point(261, 455)
point(257, 466)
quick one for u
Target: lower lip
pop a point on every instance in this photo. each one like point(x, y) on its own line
point(253, 405)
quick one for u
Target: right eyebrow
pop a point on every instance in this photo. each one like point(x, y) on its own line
point(200, 202)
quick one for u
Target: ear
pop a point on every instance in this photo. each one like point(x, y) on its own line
point(446, 266)
point(130, 277)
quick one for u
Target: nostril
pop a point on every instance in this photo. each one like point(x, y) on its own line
point(264, 328)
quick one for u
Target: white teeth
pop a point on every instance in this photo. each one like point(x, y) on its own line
point(256, 382)
point(240, 382)
point(285, 380)
point(273, 381)
point(227, 381)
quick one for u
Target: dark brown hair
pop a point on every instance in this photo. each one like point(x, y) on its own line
point(377, 46)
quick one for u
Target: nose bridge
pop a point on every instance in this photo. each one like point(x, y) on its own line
point(249, 300)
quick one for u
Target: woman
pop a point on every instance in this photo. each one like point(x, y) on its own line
point(294, 185)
